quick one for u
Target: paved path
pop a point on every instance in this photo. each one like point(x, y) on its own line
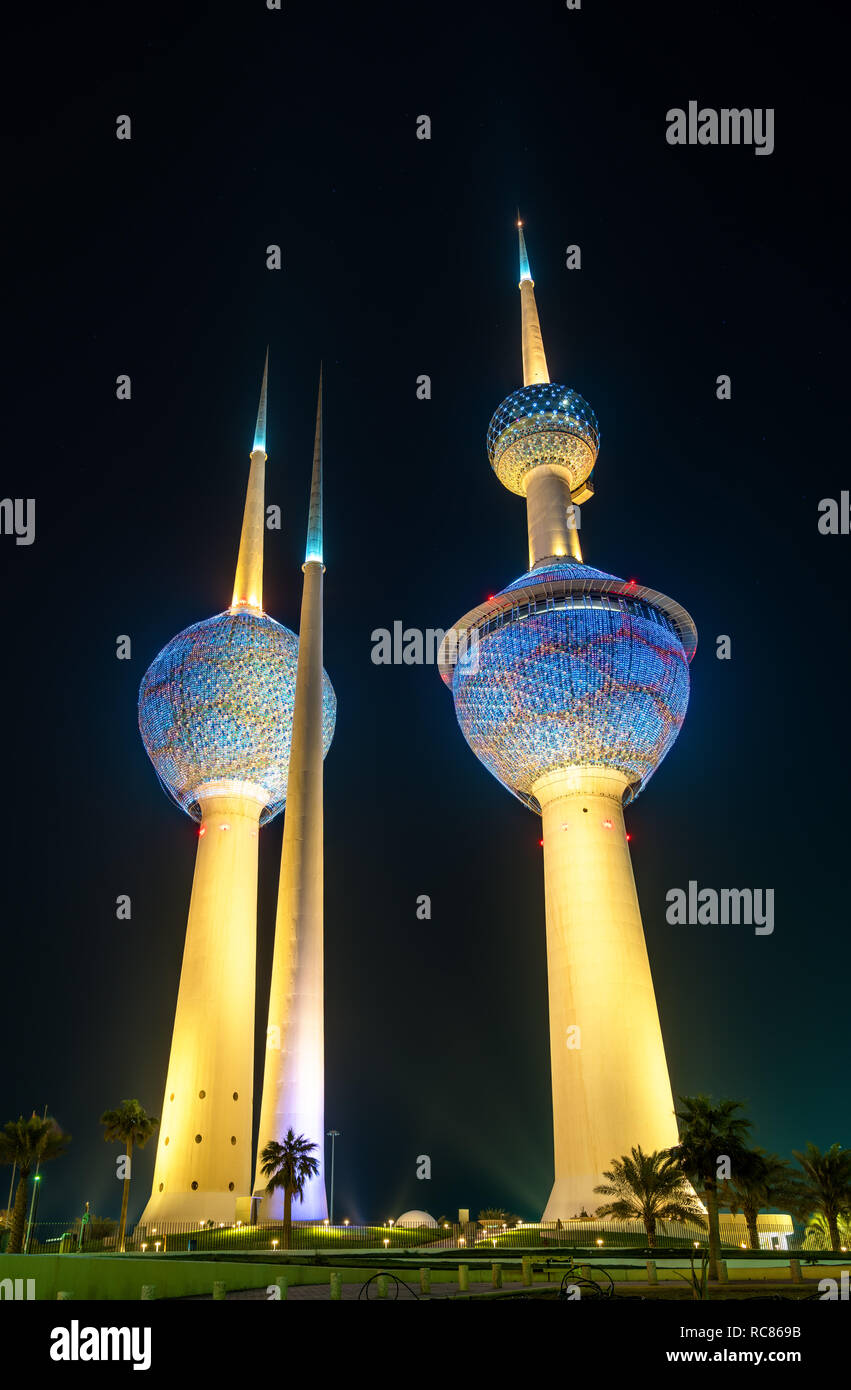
point(321, 1293)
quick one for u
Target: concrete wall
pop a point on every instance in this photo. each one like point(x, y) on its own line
point(122, 1276)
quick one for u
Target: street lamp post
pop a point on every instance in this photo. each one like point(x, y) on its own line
point(333, 1134)
point(34, 1197)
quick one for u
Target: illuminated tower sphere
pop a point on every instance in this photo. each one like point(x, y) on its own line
point(215, 714)
point(571, 685)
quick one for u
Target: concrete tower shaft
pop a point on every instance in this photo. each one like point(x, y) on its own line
point(203, 1161)
point(294, 1072)
point(535, 369)
point(550, 516)
point(609, 1074)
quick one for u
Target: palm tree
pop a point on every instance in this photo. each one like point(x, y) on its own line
point(710, 1133)
point(500, 1214)
point(28, 1143)
point(129, 1124)
point(827, 1184)
point(289, 1165)
point(817, 1235)
point(763, 1180)
point(648, 1187)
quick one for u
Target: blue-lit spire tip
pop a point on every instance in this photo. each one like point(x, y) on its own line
point(314, 519)
point(525, 272)
point(260, 429)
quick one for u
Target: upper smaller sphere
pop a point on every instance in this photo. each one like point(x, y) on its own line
point(542, 424)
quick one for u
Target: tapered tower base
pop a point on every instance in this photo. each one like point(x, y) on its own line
point(203, 1164)
point(611, 1090)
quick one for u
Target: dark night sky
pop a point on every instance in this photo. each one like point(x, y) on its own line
point(298, 128)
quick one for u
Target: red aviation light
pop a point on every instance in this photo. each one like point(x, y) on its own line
point(202, 830)
point(628, 835)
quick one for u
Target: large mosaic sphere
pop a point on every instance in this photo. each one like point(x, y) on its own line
point(216, 705)
point(579, 670)
point(542, 424)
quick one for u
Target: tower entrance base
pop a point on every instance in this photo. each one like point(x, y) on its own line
point(610, 1079)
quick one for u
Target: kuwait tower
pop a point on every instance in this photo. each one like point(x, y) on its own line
point(571, 687)
point(215, 714)
point(294, 1075)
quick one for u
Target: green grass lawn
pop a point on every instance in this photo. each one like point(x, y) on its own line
point(256, 1238)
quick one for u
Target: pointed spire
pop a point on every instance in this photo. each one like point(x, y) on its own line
point(248, 584)
point(314, 518)
point(535, 367)
point(260, 428)
point(294, 1071)
point(525, 272)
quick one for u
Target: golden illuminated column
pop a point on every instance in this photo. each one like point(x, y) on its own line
point(551, 516)
point(203, 1164)
point(610, 1078)
point(535, 369)
point(294, 1073)
point(215, 715)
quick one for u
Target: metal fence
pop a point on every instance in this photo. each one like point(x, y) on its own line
point(479, 1236)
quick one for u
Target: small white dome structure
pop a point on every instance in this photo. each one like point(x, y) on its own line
point(415, 1218)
